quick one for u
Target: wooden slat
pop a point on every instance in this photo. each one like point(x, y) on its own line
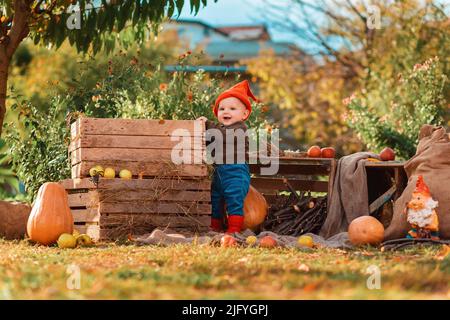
point(385, 197)
point(81, 170)
point(134, 142)
point(85, 215)
point(120, 232)
point(136, 127)
point(91, 229)
point(268, 191)
point(137, 184)
point(156, 220)
point(93, 198)
point(108, 196)
point(101, 155)
point(303, 169)
point(155, 207)
point(401, 180)
point(384, 164)
point(331, 182)
point(87, 200)
point(277, 184)
point(75, 129)
point(294, 161)
point(271, 198)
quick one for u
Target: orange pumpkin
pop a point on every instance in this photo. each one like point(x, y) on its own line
point(50, 216)
point(255, 209)
point(365, 230)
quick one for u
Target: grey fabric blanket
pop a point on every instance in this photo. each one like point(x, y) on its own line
point(349, 199)
point(164, 238)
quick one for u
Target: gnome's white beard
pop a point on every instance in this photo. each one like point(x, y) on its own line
point(422, 217)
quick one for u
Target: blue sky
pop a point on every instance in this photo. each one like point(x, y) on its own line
point(241, 12)
point(227, 12)
point(236, 12)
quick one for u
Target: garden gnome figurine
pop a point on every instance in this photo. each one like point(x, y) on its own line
point(421, 213)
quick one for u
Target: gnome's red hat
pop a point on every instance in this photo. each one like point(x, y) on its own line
point(241, 91)
point(421, 187)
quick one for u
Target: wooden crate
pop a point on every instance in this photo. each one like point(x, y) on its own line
point(142, 146)
point(116, 208)
point(303, 174)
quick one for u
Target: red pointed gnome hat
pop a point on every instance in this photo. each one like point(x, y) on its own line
point(421, 187)
point(241, 91)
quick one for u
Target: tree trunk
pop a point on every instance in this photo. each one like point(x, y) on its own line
point(4, 65)
point(8, 45)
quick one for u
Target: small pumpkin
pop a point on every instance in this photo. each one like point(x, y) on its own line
point(365, 230)
point(255, 209)
point(50, 216)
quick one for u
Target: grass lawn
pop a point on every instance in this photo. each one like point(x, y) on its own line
point(110, 271)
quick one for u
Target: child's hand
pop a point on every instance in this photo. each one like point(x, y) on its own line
point(204, 119)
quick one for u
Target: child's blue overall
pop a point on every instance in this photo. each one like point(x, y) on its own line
point(229, 186)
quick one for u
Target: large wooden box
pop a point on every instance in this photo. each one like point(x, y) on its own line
point(142, 146)
point(115, 208)
point(162, 194)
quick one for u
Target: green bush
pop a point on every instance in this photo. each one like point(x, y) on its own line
point(9, 184)
point(138, 91)
point(417, 99)
point(39, 153)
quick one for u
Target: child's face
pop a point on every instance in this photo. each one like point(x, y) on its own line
point(231, 110)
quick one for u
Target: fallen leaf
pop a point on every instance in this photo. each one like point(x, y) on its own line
point(398, 259)
point(310, 287)
point(444, 252)
point(303, 267)
point(342, 261)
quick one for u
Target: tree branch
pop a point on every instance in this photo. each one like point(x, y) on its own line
point(363, 19)
point(19, 29)
point(37, 9)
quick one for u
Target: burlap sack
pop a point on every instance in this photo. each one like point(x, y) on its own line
point(432, 161)
point(13, 219)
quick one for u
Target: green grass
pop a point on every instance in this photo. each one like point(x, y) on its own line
point(110, 271)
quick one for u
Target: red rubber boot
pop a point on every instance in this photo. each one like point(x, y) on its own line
point(235, 223)
point(216, 225)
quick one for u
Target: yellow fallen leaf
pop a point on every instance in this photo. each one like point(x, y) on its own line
point(373, 160)
point(303, 267)
point(445, 251)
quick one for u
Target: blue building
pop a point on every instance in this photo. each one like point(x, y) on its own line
point(226, 46)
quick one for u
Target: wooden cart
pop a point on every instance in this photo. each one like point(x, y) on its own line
point(304, 174)
point(386, 181)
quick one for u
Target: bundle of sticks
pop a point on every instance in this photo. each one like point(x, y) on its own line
point(297, 214)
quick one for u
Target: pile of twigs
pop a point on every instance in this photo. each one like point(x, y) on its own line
point(296, 214)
